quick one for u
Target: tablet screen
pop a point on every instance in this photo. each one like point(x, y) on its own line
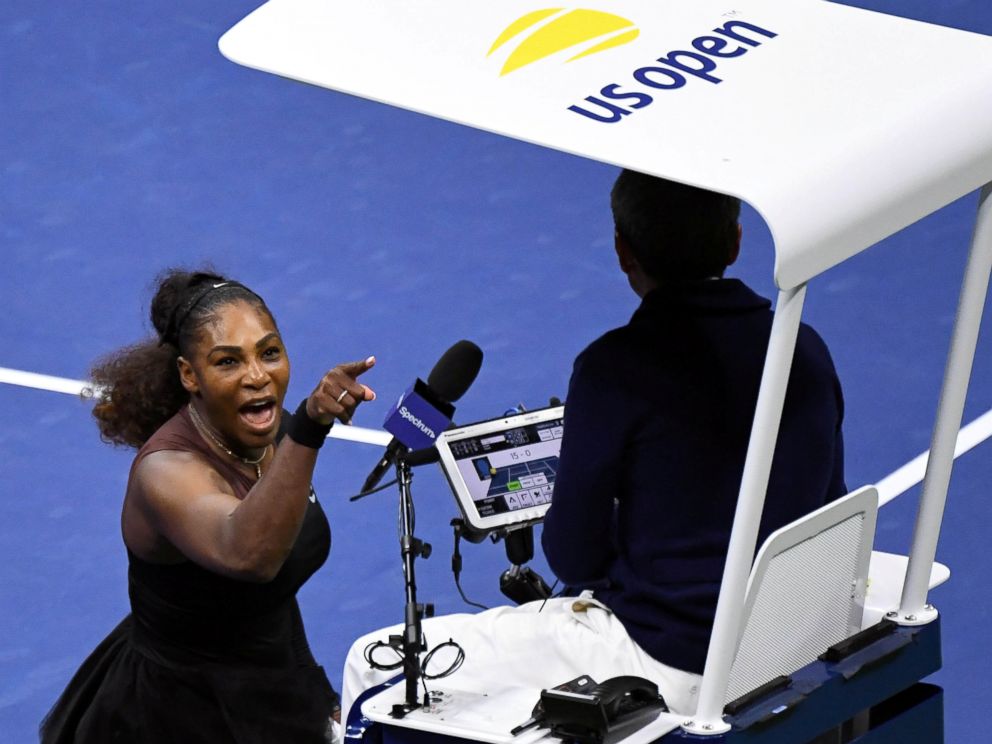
point(503, 471)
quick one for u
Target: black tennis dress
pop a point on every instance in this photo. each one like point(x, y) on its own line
point(202, 657)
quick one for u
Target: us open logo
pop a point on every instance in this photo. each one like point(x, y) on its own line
point(554, 30)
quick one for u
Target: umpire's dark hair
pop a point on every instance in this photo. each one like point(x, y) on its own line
point(676, 232)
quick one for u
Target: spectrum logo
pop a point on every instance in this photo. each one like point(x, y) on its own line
point(673, 70)
point(409, 416)
point(586, 31)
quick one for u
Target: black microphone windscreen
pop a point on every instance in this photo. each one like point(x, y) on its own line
point(455, 371)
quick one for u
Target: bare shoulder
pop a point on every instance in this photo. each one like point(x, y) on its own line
point(167, 491)
point(172, 474)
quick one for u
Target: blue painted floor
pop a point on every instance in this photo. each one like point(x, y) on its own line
point(129, 145)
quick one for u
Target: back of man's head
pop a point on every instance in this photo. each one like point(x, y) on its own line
point(676, 232)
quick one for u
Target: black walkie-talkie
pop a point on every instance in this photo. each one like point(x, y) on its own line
point(579, 684)
point(613, 708)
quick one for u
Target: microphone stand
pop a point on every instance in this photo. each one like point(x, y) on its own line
point(411, 644)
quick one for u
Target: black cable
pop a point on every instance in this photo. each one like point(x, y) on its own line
point(427, 694)
point(454, 667)
point(458, 585)
point(456, 566)
point(373, 647)
point(550, 595)
point(383, 487)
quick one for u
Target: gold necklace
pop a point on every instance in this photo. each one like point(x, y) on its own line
point(202, 428)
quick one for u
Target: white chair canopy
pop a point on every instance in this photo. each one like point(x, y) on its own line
point(841, 126)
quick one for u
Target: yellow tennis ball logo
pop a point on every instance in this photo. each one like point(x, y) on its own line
point(554, 30)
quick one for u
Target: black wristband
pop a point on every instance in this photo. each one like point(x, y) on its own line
point(304, 430)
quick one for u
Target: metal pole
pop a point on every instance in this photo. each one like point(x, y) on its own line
point(913, 609)
point(412, 634)
point(750, 502)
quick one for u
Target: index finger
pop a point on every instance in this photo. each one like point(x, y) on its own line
point(354, 369)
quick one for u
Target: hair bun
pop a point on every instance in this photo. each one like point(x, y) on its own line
point(174, 289)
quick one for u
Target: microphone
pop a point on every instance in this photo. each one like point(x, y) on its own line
point(425, 409)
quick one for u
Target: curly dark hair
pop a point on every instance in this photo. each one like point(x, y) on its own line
point(137, 388)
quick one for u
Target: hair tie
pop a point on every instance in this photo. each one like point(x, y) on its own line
point(177, 319)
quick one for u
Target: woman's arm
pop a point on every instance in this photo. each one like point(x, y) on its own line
point(179, 507)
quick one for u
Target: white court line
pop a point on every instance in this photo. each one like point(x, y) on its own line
point(361, 434)
point(79, 387)
point(912, 472)
point(889, 487)
point(42, 382)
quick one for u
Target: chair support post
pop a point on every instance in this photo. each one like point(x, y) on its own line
point(974, 288)
point(747, 518)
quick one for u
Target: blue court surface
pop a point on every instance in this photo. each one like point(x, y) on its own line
point(130, 145)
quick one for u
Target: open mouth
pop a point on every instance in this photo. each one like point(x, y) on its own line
point(259, 414)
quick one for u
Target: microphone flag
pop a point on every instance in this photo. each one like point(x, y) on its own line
point(418, 417)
